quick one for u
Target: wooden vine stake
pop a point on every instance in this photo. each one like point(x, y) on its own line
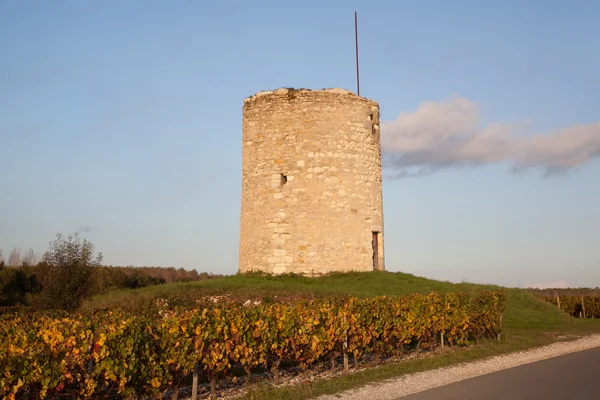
point(91, 352)
point(500, 330)
point(558, 302)
point(583, 306)
point(195, 384)
point(442, 340)
point(275, 371)
point(213, 388)
point(345, 346)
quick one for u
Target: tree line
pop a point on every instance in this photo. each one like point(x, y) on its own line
point(70, 271)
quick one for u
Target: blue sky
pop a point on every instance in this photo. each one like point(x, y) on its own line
point(122, 121)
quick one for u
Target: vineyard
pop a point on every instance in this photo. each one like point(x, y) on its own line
point(113, 353)
point(576, 306)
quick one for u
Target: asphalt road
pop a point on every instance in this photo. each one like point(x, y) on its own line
point(574, 376)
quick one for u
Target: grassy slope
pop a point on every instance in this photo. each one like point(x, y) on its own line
point(528, 321)
point(253, 285)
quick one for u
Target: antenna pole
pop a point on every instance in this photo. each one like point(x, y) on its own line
point(356, 41)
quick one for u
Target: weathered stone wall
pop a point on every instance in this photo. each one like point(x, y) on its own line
point(311, 183)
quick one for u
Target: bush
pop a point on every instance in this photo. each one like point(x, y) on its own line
point(14, 284)
point(70, 266)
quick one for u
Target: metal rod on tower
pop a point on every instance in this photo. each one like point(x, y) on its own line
point(356, 41)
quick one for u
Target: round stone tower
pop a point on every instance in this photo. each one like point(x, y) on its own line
point(311, 183)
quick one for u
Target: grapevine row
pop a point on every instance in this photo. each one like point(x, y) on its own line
point(113, 353)
point(577, 306)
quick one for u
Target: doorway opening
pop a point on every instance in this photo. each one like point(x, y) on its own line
point(375, 243)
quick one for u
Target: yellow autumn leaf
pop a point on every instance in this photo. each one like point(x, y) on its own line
point(101, 340)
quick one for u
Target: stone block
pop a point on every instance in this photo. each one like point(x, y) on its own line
point(279, 270)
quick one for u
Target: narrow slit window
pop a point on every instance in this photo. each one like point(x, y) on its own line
point(374, 118)
point(283, 180)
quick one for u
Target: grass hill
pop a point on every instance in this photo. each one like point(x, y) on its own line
point(525, 312)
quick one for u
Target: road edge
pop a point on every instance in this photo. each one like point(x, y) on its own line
point(411, 383)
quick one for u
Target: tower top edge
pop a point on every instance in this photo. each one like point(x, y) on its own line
point(292, 92)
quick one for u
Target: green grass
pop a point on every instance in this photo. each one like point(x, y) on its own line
point(528, 321)
point(284, 286)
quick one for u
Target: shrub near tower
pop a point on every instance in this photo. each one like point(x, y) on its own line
point(311, 183)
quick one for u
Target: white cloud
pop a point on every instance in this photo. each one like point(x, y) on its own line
point(431, 125)
point(448, 134)
point(549, 285)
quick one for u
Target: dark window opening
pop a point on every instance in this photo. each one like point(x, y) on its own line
point(283, 180)
point(374, 118)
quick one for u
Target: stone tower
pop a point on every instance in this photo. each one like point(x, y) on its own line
point(311, 183)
